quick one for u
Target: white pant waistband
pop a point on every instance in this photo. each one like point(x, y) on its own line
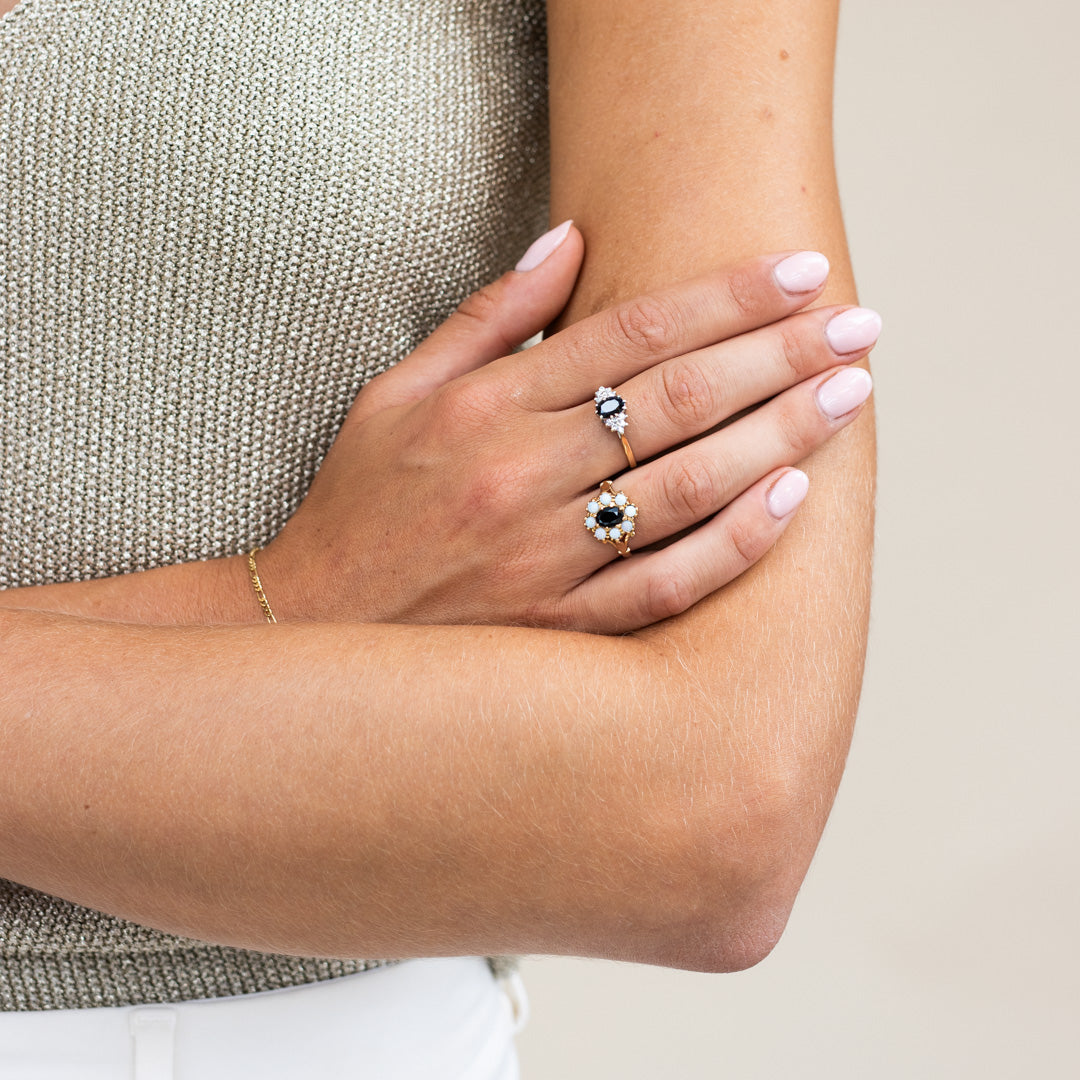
point(418, 1020)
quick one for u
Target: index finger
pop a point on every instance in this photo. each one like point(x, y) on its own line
point(615, 344)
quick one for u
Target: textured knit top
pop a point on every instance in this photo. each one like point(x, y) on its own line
point(218, 219)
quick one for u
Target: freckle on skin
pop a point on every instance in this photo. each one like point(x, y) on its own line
point(766, 114)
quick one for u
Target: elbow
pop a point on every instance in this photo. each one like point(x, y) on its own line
point(740, 884)
point(729, 945)
point(730, 937)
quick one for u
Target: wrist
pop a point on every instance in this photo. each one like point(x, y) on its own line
point(215, 592)
point(234, 599)
point(292, 593)
point(207, 593)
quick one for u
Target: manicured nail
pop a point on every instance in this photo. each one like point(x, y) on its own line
point(844, 391)
point(802, 273)
point(542, 247)
point(852, 330)
point(787, 493)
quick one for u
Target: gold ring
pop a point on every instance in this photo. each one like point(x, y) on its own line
point(611, 408)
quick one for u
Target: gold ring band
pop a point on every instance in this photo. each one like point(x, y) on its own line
point(611, 408)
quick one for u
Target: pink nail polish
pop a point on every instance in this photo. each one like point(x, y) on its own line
point(845, 391)
point(787, 493)
point(803, 272)
point(543, 246)
point(852, 330)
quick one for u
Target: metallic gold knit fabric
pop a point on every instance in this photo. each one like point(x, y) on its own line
point(218, 219)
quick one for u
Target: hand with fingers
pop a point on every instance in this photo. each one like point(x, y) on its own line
point(472, 483)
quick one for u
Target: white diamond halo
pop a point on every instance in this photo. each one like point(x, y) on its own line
point(611, 517)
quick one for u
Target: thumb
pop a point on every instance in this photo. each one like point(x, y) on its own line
point(494, 320)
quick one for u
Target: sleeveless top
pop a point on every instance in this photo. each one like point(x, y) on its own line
point(218, 220)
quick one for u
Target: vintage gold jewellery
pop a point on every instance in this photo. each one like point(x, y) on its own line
point(611, 517)
point(257, 584)
point(612, 410)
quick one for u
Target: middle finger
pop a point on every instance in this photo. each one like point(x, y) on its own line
point(686, 396)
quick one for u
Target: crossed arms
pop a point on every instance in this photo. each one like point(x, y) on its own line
point(347, 789)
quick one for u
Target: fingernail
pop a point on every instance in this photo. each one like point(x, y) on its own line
point(802, 273)
point(543, 246)
point(852, 330)
point(844, 391)
point(787, 493)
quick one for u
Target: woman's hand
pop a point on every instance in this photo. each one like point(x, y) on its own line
point(457, 489)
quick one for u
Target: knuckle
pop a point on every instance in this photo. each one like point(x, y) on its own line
point(575, 348)
point(483, 309)
point(744, 290)
point(667, 595)
point(646, 324)
point(481, 305)
point(796, 435)
point(457, 404)
point(476, 403)
point(548, 615)
point(794, 353)
point(688, 393)
point(572, 613)
point(693, 488)
point(375, 395)
point(749, 543)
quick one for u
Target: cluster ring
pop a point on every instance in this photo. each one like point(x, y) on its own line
point(611, 517)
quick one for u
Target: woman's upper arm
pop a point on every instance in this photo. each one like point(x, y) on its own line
point(685, 136)
point(688, 134)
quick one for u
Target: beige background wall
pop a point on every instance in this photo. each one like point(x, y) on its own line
point(937, 933)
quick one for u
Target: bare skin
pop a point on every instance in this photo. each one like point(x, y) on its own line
point(654, 797)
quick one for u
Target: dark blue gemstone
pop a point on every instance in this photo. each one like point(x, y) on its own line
point(608, 516)
point(610, 406)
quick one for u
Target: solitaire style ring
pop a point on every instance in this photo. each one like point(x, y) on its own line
point(612, 410)
point(611, 517)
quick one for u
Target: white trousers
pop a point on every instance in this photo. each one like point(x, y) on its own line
point(418, 1020)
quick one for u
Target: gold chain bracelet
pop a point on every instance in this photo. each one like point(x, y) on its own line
point(258, 586)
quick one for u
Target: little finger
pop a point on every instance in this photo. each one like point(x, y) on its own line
point(649, 587)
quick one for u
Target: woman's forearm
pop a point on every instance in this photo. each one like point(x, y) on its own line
point(207, 593)
point(381, 790)
point(684, 138)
